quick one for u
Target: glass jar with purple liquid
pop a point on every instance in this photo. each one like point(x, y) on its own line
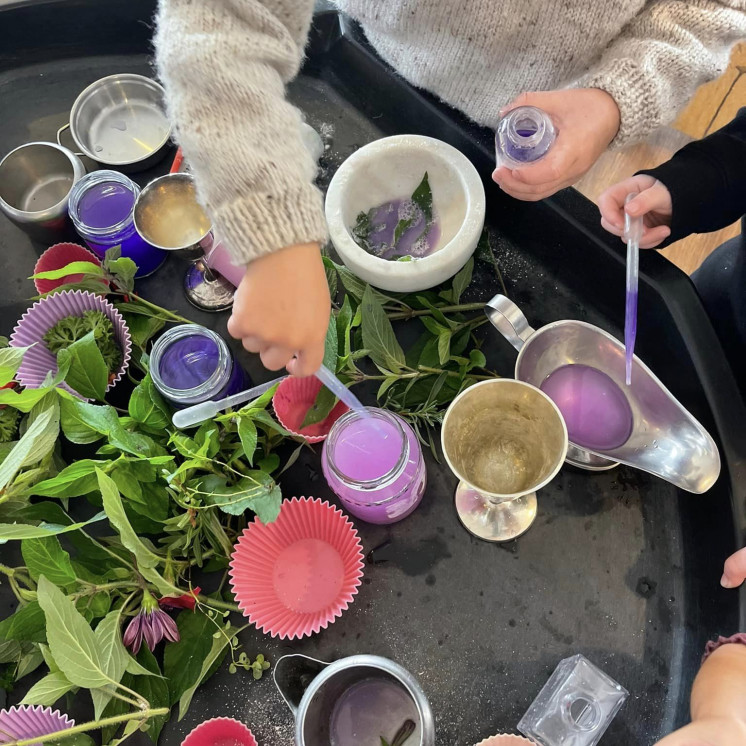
point(190, 364)
point(102, 206)
point(373, 462)
point(524, 135)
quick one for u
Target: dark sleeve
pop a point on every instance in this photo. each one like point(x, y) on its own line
point(707, 181)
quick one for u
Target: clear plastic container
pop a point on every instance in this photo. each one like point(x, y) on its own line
point(575, 707)
point(524, 135)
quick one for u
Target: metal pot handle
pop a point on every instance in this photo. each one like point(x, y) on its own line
point(293, 674)
point(509, 320)
point(59, 141)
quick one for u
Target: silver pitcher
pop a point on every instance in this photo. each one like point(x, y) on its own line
point(665, 441)
point(311, 689)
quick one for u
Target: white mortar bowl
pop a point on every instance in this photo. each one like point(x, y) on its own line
point(392, 168)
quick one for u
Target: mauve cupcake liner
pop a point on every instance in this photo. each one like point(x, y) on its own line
point(24, 721)
point(506, 739)
point(220, 732)
point(292, 400)
point(295, 576)
point(58, 256)
point(38, 361)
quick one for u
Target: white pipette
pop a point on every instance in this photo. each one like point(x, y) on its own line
point(632, 234)
point(206, 410)
point(339, 389)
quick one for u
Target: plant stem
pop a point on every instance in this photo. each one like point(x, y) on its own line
point(218, 604)
point(411, 313)
point(93, 725)
point(158, 309)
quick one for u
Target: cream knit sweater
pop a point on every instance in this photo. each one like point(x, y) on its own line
point(225, 64)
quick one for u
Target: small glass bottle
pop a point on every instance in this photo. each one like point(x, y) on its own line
point(102, 206)
point(524, 135)
point(190, 364)
point(373, 462)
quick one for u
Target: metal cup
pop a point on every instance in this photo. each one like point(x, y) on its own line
point(35, 184)
point(504, 440)
point(312, 688)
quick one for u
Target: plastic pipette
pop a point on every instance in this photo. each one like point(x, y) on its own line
point(632, 234)
point(339, 389)
point(206, 410)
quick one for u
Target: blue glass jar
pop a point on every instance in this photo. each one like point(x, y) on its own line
point(524, 135)
point(102, 206)
point(190, 364)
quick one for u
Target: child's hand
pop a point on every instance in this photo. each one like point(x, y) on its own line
point(708, 732)
point(587, 120)
point(281, 309)
point(735, 570)
point(653, 202)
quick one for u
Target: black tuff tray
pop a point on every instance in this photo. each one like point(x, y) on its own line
point(619, 566)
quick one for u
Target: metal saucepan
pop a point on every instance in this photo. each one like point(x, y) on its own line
point(120, 121)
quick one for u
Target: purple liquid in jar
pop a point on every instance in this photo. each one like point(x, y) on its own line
point(372, 709)
point(630, 332)
point(101, 207)
point(596, 411)
point(374, 465)
point(523, 135)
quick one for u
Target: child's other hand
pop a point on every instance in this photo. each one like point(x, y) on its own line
point(653, 202)
point(281, 309)
point(734, 572)
point(587, 120)
point(708, 732)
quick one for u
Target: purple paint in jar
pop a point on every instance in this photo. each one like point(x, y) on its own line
point(523, 135)
point(373, 462)
point(190, 364)
point(102, 206)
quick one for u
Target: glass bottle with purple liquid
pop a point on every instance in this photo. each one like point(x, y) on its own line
point(190, 364)
point(102, 206)
point(373, 462)
point(524, 135)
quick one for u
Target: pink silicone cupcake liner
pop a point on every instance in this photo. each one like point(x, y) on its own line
point(24, 721)
point(43, 315)
point(295, 576)
point(292, 400)
point(220, 732)
point(506, 739)
point(58, 256)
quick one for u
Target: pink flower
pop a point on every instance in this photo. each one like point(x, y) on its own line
point(185, 601)
point(150, 624)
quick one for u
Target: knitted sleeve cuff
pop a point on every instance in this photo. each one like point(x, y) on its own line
point(634, 94)
point(713, 645)
point(257, 224)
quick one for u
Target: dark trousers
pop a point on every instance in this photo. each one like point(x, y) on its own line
point(721, 283)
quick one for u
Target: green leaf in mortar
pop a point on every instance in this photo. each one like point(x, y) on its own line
point(423, 198)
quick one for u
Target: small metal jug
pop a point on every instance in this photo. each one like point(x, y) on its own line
point(665, 441)
point(311, 688)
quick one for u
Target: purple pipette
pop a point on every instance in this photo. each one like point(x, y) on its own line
point(632, 234)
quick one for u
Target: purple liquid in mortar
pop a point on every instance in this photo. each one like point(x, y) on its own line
point(630, 332)
point(367, 449)
point(369, 710)
point(596, 411)
point(190, 361)
point(417, 240)
point(106, 205)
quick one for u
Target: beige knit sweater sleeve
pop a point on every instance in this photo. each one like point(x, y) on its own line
point(225, 65)
point(654, 66)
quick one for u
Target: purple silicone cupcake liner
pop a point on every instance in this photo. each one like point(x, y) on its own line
point(43, 315)
point(23, 722)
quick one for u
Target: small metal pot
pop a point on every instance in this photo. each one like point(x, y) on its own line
point(35, 184)
point(311, 688)
point(120, 121)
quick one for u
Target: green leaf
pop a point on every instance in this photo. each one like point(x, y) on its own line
point(182, 661)
point(10, 360)
point(257, 491)
point(24, 400)
point(477, 359)
point(462, 281)
point(378, 334)
point(249, 437)
point(423, 197)
point(77, 479)
point(27, 624)
point(29, 661)
point(444, 347)
point(330, 346)
point(71, 641)
point(73, 268)
point(401, 227)
point(114, 656)
point(320, 409)
point(9, 531)
point(147, 681)
point(127, 482)
point(47, 557)
point(87, 374)
point(42, 429)
point(344, 323)
point(142, 328)
point(47, 691)
point(144, 408)
point(123, 270)
point(433, 326)
point(331, 276)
